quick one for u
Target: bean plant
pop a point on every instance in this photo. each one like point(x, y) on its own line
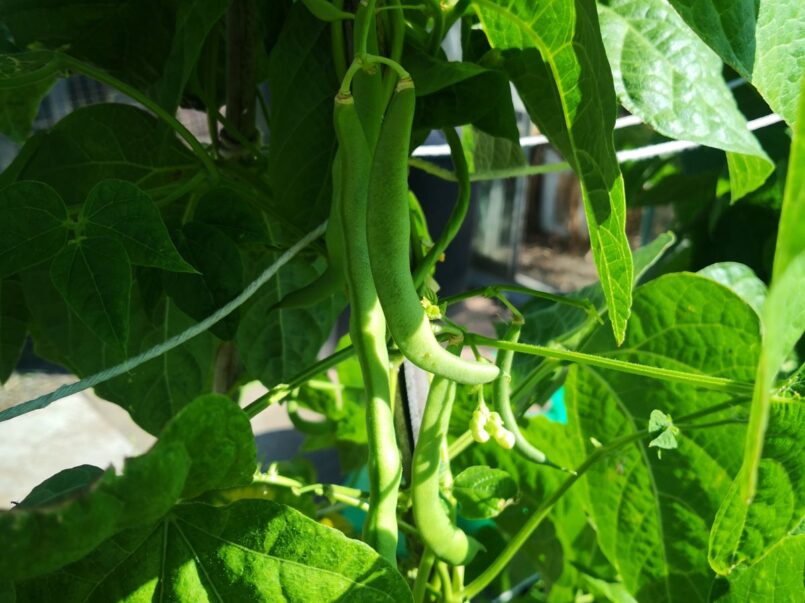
point(639, 439)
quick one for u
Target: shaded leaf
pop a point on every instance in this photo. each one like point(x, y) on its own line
point(105, 141)
point(153, 392)
point(220, 278)
point(33, 225)
point(94, 277)
point(152, 44)
point(120, 210)
point(232, 214)
point(13, 326)
point(303, 84)
point(251, 549)
point(268, 339)
point(668, 77)
point(184, 462)
point(442, 88)
point(61, 487)
point(25, 79)
point(762, 41)
point(553, 53)
point(483, 492)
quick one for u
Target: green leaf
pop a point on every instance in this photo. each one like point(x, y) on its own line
point(653, 516)
point(249, 550)
point(153, 44)
point(25, 79)
point(668, 77)
point(105, 141)
point(666, 440)
point(741, 279)
point(742, 534)
point(94, 277)
point(777, 577)
point(442, 88)
point(303, 85)
point(232, 214)
point(268, 340)
point(553, 53)
point(13, 326)
point(220, 277)
point(119, 210)
point(153, 392)
point(488, 153)
point(208, 445)
point(762, 41)
point(61, 487)
point(33, 221)
point(483, 492)
point(783, 313)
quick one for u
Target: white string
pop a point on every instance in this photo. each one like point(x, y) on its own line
point(175, 341)
point(655, 150)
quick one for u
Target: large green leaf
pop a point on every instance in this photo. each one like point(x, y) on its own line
point(763, 40)
point(741, 279)
point(442, 88)
point(784, 310)
point(152, 44)
point(777, 577)
point(553, 53)
point(33, 225)
point(220, 278)
point(93, 276)
point(153, 392)
point(653, 516)
point(119, 210)
point(13, 326)
point(105, 141)
point(209, 445)
point(666, 75)
point(268, 339)
point(25, 79)
point(744, 534)
point(303, 86)
point(250, 550)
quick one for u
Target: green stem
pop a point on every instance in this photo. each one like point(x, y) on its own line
point(103, 77)
point(501, 174)
point(337, 44)
point(533, 522)
point(364, 20)
point(282, 391)
point(437, 33)
point(492, 291)
point(728, 386)
point(458, 214)
point(423, 575)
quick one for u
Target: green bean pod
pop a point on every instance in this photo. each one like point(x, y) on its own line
point(388, 232)
point(502, 397)
point(439, 533)
point(367, 328)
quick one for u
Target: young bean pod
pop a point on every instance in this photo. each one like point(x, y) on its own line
point(439, 533)
point(367, 329)
point(388, 232)
point(502, 398)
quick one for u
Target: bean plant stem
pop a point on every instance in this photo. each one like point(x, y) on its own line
point(728, 386)
point(495, 291)
point(105, 78)
point(533, 522)
point(458, 214)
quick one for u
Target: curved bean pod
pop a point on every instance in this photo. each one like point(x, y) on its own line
point(388, 232)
